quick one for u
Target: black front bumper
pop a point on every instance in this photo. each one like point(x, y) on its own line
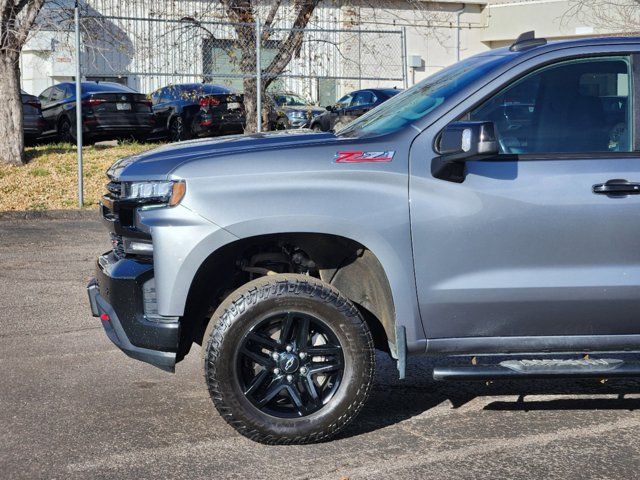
point(116, 296)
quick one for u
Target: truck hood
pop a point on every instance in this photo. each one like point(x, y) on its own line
point(157, 164)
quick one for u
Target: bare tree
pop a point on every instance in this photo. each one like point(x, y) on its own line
point(620, 16)
point(17, 17)
point(243, 14)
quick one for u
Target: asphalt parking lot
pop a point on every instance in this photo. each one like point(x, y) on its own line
point(73, 406)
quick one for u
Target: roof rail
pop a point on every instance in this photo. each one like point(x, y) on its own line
point(527, 40)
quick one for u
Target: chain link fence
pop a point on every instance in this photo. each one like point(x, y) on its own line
point(149, 53)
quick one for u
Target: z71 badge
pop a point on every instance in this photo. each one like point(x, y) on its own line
point(364, 157)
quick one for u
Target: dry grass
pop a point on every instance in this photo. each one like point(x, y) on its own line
point(48, 180)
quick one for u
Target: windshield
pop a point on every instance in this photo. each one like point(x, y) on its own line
point(422, 98)
point(290, 100)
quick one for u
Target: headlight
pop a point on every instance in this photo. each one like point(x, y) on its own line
point(297, 114)
point(159, 193)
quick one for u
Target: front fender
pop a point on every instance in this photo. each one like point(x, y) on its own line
point(395, 258)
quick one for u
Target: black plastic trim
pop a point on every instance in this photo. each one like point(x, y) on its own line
point(532, 344)
point(401, 348)
point(119, 285)
point(116, 333)
point(492, 372)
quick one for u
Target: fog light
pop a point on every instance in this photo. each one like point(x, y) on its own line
point(138, 247)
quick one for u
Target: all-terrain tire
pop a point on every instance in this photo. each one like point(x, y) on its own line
point(242, 311)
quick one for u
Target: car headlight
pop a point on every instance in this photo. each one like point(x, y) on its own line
point(297, 114)
point(157, 193)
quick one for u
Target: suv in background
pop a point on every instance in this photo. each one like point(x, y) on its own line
point(109, 111)
point(487, 216)
point(189, 110)
point(290, 110)
point(350, 107)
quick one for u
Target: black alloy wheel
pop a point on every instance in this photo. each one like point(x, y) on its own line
point(290, 365)
point(65, 133)
point(178, 130)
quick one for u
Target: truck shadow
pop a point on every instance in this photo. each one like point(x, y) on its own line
point(393, 401)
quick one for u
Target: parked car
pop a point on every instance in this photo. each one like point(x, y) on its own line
point(109, 111)
point(191, 110)
point(432, 225)
point(32, 120)
point(350, 107)
point(290, 110)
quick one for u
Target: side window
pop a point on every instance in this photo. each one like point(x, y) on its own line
point(577, 106)
point(344, 101)
point(363, 98)
point(57, 94)
point(44, 96)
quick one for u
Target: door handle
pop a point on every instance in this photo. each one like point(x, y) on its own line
point(617, 188)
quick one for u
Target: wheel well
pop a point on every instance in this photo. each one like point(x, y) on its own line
point(342, 262)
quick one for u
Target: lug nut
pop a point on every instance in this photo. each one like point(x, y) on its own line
point(275, 355)
point(289, 348)
point(303, 355)
point(276, 371)
point(289, 378)
point(303, 370)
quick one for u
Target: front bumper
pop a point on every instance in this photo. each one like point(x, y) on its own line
point(116, 296)
point(298, 122)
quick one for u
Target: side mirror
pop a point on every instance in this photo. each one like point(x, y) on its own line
point(462, 141)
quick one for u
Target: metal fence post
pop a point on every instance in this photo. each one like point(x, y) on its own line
point(258, 77)
point(79, 107)
point(405, 73)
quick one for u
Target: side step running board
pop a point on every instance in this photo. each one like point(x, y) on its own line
point(583, 368)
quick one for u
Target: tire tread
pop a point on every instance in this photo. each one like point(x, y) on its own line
point(276, 285)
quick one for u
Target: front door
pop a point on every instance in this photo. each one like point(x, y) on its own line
point(543, 240)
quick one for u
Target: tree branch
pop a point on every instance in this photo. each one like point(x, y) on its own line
point(33, 8)
point(292, 42)
point(266, 32)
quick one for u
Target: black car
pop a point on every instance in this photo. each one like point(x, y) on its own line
point(350, 107)
point(32, 120)
point(191, 110)
point(109, 111)
point(290, 110)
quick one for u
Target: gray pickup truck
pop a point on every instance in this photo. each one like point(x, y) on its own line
point(489, 213)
